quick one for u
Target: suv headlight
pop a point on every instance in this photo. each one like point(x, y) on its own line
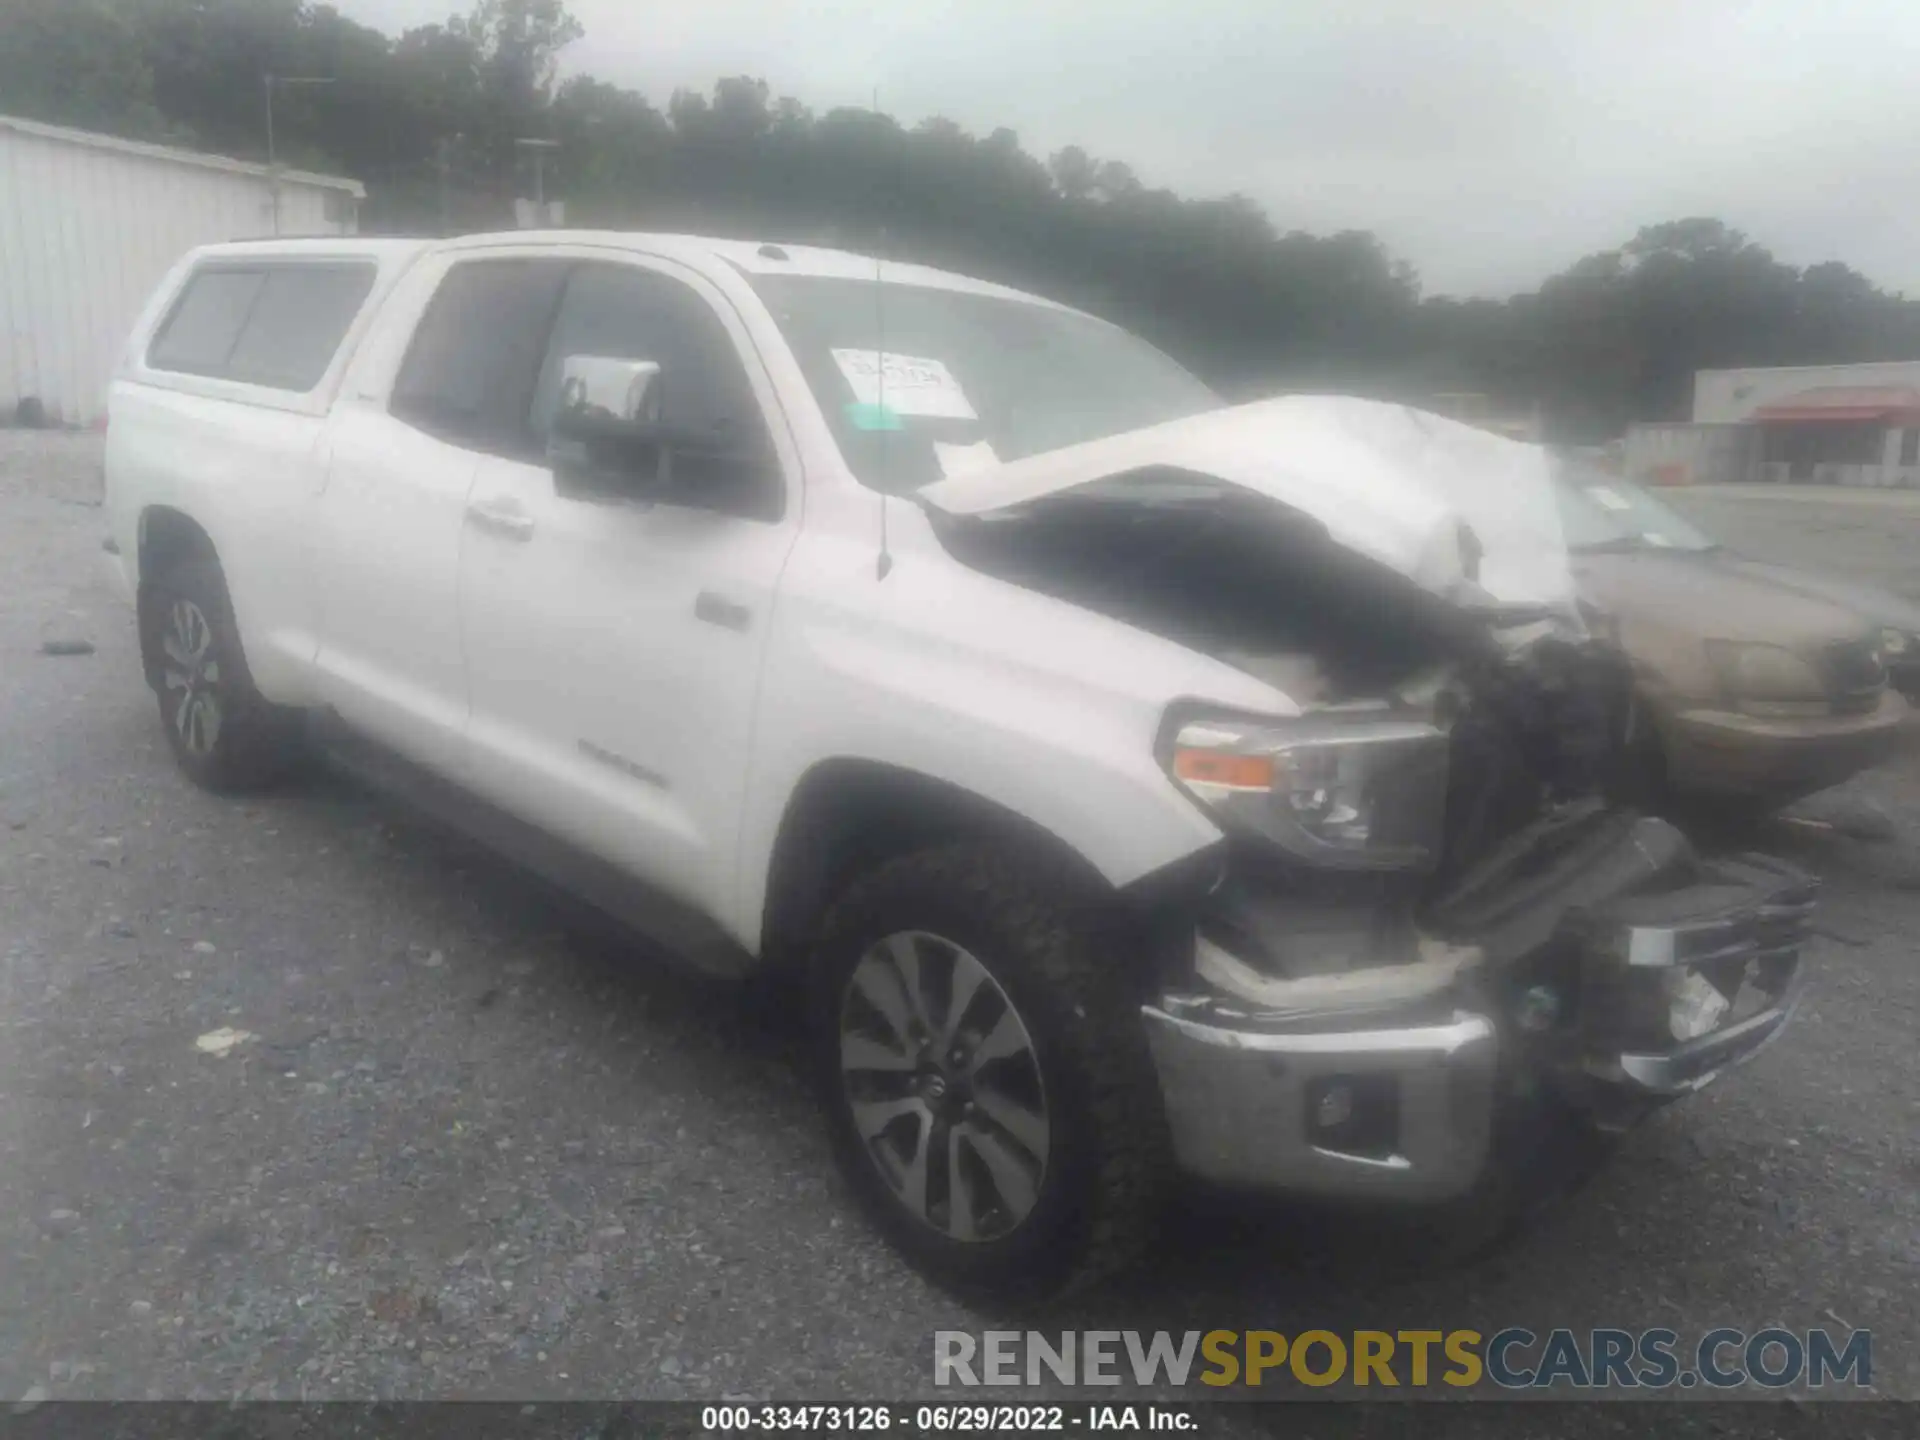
point(1894, 644)
point(1764, 672)
point(1354, 791)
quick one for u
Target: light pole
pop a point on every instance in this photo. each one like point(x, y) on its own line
point(273, 162)
point(539, 149)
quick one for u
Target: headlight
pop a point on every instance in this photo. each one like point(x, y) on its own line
point(1764, 672)
point(1894, 643)
point(1358, 791)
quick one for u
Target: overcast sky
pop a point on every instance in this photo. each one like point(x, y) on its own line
point(1488, 142)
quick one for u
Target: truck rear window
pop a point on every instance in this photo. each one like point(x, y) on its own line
point(275, 325)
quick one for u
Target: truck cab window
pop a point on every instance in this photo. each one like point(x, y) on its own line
point(296, 325)
point(471, 366)
point(723, 457)
point(273, 325)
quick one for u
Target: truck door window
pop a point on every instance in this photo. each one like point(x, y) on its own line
point(723, 457)
point(470, 367)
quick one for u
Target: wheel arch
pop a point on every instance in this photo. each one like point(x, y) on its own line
point(166, 537)
point(846, 814)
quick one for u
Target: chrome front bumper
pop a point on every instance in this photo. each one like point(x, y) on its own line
point(1244, 1104)
point(1388, 1083)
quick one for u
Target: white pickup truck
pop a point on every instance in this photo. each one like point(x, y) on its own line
point(1141, 786)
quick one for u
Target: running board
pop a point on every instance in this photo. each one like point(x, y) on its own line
point(688, 937)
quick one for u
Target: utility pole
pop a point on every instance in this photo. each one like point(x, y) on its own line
point(273, 159)
point(539, 150)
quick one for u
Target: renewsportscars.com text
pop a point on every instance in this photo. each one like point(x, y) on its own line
point(1515, 1358)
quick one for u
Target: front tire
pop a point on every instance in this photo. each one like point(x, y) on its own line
point(223, 733)
point(984, 1070)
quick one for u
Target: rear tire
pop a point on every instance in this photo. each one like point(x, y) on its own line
point(1013, 1145)
point(223, 733)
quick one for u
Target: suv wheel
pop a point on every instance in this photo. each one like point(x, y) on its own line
point(986, 1076)
point(222, 732)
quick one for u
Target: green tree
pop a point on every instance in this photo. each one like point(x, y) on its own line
point(429, 122)
point(78, 62)
point(1075, 173)
point(516, 46)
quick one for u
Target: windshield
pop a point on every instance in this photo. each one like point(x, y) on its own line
point(1598, 510)
point(966, 380)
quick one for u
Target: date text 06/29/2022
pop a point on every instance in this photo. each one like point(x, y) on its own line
point(1513, 1358)
point(947, 1418)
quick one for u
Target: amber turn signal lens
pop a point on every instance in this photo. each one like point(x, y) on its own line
point(1220, 767)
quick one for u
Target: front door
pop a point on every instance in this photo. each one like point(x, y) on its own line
point(614, 641)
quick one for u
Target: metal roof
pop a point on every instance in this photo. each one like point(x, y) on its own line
point(173, 155)
point(1843, 402)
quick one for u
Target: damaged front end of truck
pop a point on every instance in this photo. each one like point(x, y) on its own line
point(1423, 918)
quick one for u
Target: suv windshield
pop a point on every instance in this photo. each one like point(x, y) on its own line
point(1601, 511)
point(967, 379)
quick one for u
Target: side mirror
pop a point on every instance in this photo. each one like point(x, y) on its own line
point(604, 399)
point(606, 439)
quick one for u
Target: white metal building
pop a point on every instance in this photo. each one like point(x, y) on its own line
point(1735, 397)
point(1796, 424)
point(88, 226)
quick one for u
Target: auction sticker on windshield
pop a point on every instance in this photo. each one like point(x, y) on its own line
point(904, 384)
point(965, 459)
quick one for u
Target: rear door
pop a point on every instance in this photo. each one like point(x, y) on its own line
point(404, 453)
point(614, 641)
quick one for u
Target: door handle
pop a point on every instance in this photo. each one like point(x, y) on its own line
point(508, 524)
point(718, 610)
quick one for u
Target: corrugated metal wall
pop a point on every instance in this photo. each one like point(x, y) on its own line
point(85, 235)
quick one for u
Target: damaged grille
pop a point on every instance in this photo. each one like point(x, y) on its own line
point(1773, 928)
point(1678, 985)
point(1530, 735)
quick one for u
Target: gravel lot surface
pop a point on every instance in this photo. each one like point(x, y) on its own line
point(469, 1147)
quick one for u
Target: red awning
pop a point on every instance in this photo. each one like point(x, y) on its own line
point(1845, 402)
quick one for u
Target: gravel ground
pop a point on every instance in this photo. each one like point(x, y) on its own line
point(470, 1147)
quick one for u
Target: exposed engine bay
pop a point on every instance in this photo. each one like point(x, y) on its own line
point(1428, 932)
point(1589, 946)
point(1533, 710)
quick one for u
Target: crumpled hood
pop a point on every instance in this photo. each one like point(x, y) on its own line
point(1394, 484)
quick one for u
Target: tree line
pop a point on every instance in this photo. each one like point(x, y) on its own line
point(429, 121)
